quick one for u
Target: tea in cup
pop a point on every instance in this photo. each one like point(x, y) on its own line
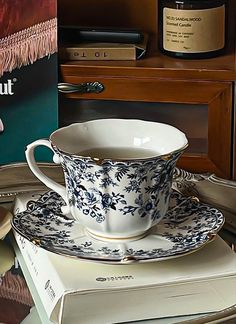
point(118, 173)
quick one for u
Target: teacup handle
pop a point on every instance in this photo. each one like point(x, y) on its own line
point(58, 188)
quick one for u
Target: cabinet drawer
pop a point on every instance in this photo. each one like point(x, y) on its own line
point(151, 90)
point(203, 110)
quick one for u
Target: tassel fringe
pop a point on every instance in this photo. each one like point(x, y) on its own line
point(28, 45)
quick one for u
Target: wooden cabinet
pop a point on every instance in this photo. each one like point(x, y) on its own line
point(197, 96)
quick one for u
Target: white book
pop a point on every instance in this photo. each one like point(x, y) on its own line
point(74, 291)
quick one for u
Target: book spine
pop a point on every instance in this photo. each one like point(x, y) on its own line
point(104, 54)
point(43, 275)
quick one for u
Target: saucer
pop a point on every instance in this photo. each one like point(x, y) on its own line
point(187, 226)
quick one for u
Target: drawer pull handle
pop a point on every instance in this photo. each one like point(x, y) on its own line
point(86, 87)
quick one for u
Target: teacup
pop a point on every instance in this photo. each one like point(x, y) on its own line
point(118, 173)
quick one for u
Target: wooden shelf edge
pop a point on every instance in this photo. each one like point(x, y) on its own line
point(153, 67)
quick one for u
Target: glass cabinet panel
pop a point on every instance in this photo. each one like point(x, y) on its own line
point(203, 110)
point(191, 119)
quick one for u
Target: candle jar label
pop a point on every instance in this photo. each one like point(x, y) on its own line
point(193, 31)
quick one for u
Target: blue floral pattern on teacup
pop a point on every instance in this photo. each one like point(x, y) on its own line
point(96, 189)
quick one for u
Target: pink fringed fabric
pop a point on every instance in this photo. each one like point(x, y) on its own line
point(28, 45)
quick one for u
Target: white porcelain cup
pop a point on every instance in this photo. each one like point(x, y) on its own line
point(118, 173)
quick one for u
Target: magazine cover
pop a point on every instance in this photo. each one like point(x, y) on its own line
point(28, 76)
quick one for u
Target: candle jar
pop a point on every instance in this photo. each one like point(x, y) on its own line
point(192, 29)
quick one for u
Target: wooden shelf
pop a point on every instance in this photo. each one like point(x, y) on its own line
point(131, 13)
point(155, 64)
point(158, 78)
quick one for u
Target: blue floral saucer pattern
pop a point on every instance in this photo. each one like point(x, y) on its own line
point(187, 226)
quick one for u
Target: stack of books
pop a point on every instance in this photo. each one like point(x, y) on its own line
point(101, 44)
point(76, 291)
